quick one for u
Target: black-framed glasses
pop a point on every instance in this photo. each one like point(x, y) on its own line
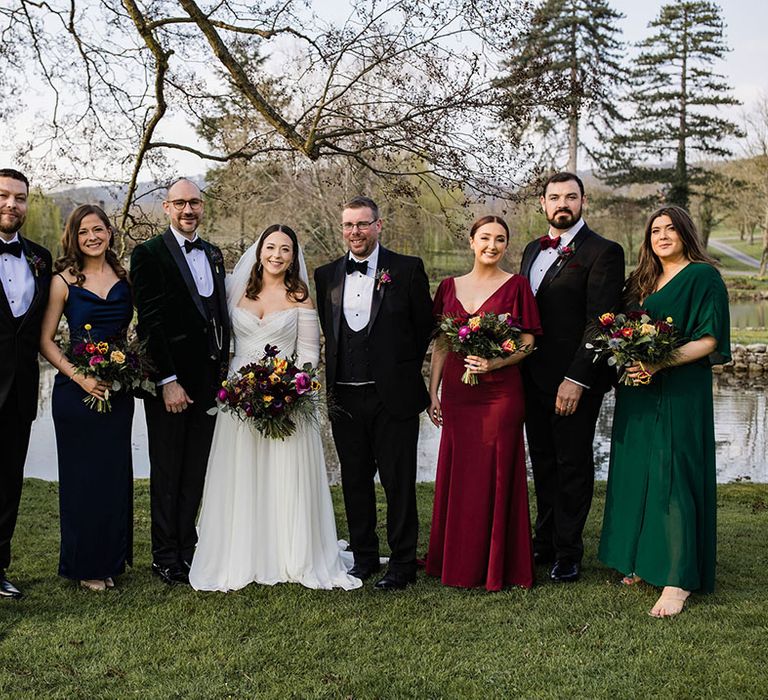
point(360, 225)
point(181, 204)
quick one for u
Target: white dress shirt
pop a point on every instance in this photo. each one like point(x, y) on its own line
point(198, 264)
point(547, 257)
point(18, 281)
point(358, 292)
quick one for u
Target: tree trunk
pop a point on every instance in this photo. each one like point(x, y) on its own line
point(679, 191)
point(573, 112)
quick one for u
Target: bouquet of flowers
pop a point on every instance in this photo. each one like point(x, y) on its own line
point(486, 335)
point(123, 363)
point(634, 337)
point(273, 394)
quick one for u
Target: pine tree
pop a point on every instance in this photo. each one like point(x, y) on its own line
point(571, 54)
point(673, 99)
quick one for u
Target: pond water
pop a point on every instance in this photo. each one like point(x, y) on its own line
point(741, 427)
point(749, 314)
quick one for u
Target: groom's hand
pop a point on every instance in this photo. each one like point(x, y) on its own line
point(175, 398)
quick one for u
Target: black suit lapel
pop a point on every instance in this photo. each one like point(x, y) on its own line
point(559, 264)
point(337, 295)
point(5, 307)
point(175, 250)
point(378, 288)
point(529, 255)
point(35, 279)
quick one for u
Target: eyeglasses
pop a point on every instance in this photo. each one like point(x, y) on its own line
point(181, 204)
point(361, 225)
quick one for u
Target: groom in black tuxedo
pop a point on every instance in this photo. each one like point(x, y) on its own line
point(26, 275)
point(576, 275)
point(178, 284)
point(376, 313)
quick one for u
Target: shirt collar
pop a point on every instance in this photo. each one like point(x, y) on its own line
point(372, 259)
point(567, 236)
point(14, 239)
point(180, 238)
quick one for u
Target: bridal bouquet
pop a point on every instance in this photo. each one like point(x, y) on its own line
point(273, 394)
point(634, 337)
point(123, 363)
point(486, 335)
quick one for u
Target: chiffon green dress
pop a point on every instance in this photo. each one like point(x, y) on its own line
point(660, 509)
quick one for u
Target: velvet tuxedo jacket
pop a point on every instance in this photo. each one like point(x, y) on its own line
point(574, 292)
point(171, 315)
point(398, 330)
point(20, 342)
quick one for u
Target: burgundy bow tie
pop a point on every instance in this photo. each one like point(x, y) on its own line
point(547, 242)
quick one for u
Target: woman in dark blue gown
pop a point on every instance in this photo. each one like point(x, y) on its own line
point(94, 448)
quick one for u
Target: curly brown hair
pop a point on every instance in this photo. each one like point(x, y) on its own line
point(294, 285)
point(72, 258)
point(641, 282)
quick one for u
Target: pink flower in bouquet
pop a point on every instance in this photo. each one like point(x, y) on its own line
point(303, 383)
point(509, 345)
point(95, 360)
point(222, 395)
point(463, 332)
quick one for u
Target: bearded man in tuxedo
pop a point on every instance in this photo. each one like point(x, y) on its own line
point(26, 276)
point(376, 313)
point(576, 275)
point(178, 283)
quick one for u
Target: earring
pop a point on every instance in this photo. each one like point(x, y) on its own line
point(259, 266)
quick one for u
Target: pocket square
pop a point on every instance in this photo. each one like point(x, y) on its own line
point(573, 265)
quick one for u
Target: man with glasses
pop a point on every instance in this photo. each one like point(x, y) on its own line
point(178, 283)
point(376, 314)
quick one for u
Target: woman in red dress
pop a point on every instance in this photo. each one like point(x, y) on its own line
point(481, 534)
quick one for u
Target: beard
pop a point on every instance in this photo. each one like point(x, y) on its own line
point(10, 225)
point(564, 219)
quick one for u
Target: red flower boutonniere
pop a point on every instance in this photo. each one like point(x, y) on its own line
point(36, 263)
point(565, 251)
point(382, 278)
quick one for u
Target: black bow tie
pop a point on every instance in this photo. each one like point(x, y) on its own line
point(191, 245)
point(548, 242)
point(10, 248)
point(354, 266)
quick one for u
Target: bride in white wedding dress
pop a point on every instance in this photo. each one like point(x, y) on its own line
point(266, 514)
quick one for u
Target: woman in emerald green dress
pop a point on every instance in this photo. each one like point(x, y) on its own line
point(659, 522)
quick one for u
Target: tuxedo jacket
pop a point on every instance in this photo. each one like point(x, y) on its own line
point(20, 341)
point(399, 328)
point(171, 315)
point(573, 293)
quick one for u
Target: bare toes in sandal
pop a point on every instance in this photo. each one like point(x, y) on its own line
point(631, 580)
point(671, 602)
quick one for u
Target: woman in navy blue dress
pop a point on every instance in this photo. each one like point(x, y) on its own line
point(94, 448)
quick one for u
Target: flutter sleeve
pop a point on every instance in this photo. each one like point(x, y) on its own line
point(524, 307)
point(308, 338)
point(710, 314)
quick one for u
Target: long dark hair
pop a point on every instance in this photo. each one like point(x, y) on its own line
point(641, 283)
point(490, 219)
point(294, 285)
point(72, 258)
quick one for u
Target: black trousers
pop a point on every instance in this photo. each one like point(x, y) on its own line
point(14, 438)
point(563, 465)
point(179, 444)
point(368, 438)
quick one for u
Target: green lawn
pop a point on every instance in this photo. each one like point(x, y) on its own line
point(588, 640)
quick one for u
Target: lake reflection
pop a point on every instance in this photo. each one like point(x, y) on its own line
point(741, 422)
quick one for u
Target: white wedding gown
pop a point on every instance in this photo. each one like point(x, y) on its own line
point(266, 514)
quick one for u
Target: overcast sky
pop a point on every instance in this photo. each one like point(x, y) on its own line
point(745, 67)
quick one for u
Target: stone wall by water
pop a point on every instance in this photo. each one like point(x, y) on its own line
point(747, 360)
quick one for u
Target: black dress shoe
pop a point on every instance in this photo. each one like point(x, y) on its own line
point(364, 571)
point(542, 558)
point(565, 571)
point(170, 574)
point(8, 590)
point(395, 580)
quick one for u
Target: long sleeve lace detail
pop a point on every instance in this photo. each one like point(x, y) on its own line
point(308, 338)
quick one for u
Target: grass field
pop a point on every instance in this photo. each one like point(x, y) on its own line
point(588, 640)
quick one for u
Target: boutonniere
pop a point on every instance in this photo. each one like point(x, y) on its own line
point(382, 278)
point(565, 251)
point(36, 263)
point(216, 258)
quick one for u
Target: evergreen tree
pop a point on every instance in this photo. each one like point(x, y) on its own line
point(571, 54)
point(673, 98)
